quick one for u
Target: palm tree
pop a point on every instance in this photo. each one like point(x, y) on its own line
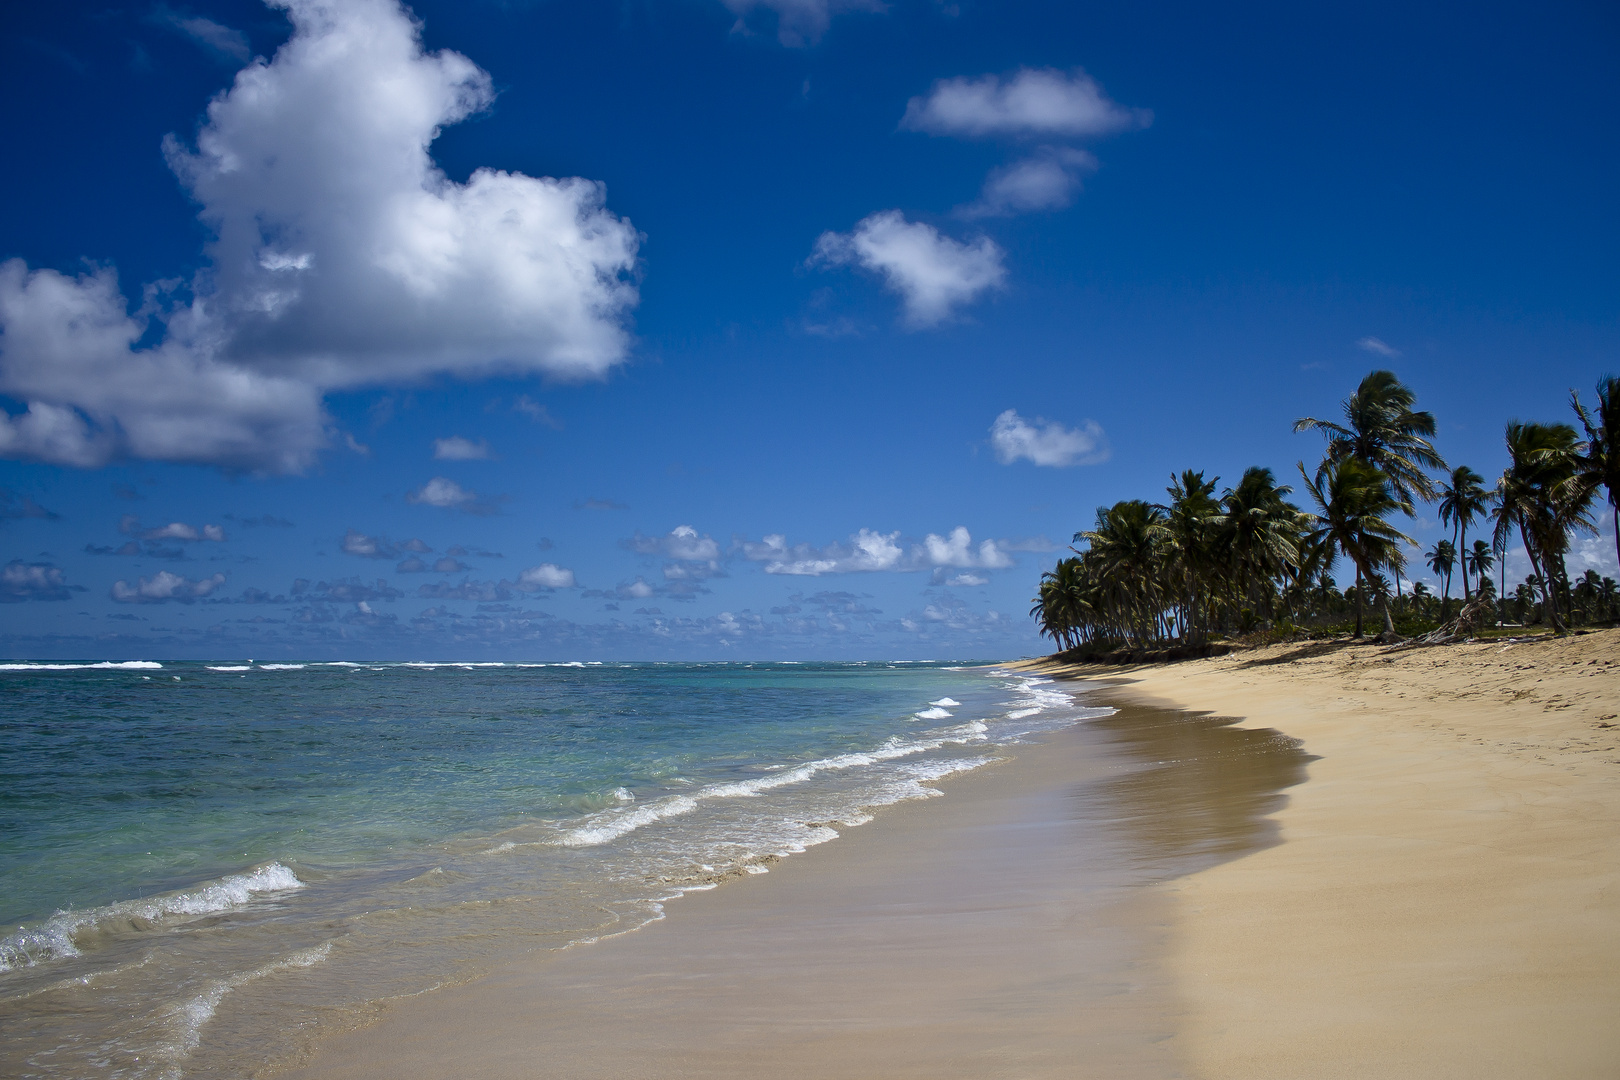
point(1442, 559)
point(1381, 430)
point(1352, 499)
point(1191, 551)
point(1463, 498)
point(1601, 462)
point(1127, 546)
point(1258, 532)
point(1539, 496)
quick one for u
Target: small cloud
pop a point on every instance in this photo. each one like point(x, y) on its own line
point(599, 504)
point(456, 448)
point(681, 542)
point(446, 494)
point(1042, 102)
point(448, 565)
point(379, 547)
point(932, 274)
point(1047, 442)
point(536, 412)
point(163, 587)
point(1378, 347)
point(215, 37)
point(1047, 181)
point(130, 525)
point(546, 576)
point(20, 581)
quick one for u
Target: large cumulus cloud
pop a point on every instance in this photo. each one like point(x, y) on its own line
point(341, 256)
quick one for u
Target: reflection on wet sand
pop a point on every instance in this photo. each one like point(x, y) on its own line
point(1195, 791)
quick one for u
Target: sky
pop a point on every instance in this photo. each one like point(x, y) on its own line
point(740, 329)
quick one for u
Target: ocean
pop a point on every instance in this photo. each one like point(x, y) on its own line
point(202, 865)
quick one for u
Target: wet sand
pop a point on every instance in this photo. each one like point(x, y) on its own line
point(1013, 927)
point(1446, 901)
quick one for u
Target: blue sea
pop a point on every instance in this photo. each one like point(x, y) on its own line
point(204, 864)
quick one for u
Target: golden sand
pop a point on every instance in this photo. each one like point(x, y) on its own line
point(1446, 899)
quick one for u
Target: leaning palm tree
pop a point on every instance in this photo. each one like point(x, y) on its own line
point(1353, 498)
point(1442, 559)
point(1600, 464)
point(1463, 499)
point(1381, 430)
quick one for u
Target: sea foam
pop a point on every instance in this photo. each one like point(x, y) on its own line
point(59, 935)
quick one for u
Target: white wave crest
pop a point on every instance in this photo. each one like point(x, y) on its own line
point(945, 703)
point(56, 936)
point(105, 665)
point(935, 713)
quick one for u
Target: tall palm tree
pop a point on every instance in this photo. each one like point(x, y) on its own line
point(1442, 559)
point(1353, 498)
point(1538, 496)
point(1381, 430)
point(1463, 499)
point(1600, 464)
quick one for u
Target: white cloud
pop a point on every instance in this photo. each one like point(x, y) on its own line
point(1047, 181)
point(870, 552)
point(164, 586)
point(681, 542)
point(933, 274)
point(546, 576)
point(378, 547)
point(456, 448)
point(798, 22)
point(1381, 348)
point(968, 579)
point(957, 550)
point(1041, 102)
point(442, 492)
point(342, 256)
point(1047, 442)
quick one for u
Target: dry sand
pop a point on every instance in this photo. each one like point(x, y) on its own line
point(1444, 902)
point(1446, 899)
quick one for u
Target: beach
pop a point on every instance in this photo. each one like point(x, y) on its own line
point(1307, 860)
point(1446, 899)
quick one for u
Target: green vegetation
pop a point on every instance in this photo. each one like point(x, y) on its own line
point(1201, 566)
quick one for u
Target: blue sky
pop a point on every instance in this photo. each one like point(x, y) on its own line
point(738, 328)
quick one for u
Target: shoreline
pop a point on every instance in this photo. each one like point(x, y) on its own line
point(1441, 898)
point(1012, 927)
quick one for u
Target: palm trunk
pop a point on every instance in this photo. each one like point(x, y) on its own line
point(1542, 573)
point(1389, 623)
point(1462, 546)
point(1358, 601)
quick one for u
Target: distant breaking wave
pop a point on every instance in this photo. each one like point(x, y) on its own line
point(105, 665)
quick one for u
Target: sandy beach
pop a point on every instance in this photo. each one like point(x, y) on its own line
point(1308, 860)
point(1446, 899)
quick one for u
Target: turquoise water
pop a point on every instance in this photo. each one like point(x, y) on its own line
point(201, 865)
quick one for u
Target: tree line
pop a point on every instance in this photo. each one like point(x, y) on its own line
point(1209, 562)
